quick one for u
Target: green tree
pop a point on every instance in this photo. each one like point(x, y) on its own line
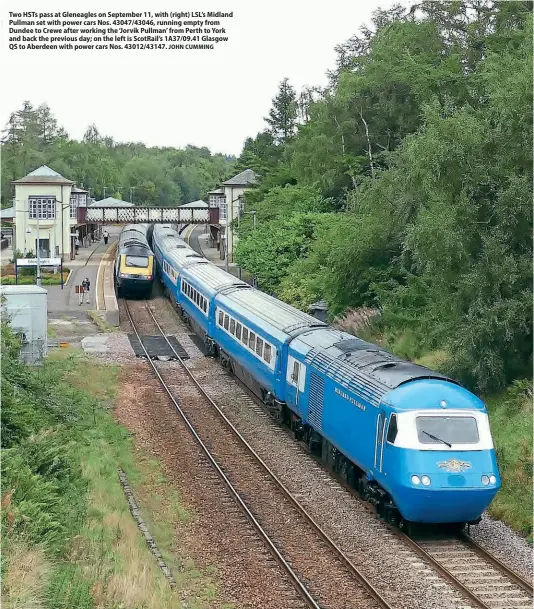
point(282, 118)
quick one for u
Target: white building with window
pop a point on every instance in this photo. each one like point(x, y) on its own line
point(78, 198)
point(229, 199)
point(44, 197)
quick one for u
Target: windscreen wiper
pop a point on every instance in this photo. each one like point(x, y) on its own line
point(436, 438)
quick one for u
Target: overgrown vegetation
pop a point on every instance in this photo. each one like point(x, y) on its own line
point(511, 420)
point(68, 537)
point(159, 176)
point(407, 186)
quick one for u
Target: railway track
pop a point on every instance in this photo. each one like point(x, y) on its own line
point(318, 569)
point(487, 582)
point(479, 575)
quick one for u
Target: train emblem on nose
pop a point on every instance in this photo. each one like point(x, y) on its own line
point(454, 465)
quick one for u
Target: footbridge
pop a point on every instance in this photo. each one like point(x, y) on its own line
point(156, 215)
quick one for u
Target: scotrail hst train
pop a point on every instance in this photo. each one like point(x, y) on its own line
point(414, 443)
point(134, 262)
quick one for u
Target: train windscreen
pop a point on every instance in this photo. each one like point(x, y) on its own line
point(139, 261)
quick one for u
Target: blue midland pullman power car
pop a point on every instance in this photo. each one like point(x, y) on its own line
point(413, 442)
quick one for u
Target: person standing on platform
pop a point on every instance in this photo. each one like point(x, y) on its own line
point(106, 237)
point(86, 287)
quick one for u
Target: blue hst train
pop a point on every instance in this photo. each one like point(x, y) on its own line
point(414, 443)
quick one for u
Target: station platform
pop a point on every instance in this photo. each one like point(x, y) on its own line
point(95, 263)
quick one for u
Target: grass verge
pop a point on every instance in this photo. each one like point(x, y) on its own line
point(101, 323)
point(69, 538)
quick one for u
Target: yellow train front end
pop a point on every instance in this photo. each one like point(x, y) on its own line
point(135, 274)
point(134, 264)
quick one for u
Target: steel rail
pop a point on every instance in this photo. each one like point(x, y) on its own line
point(300, 587)
point(371, 590)
point(500, 566)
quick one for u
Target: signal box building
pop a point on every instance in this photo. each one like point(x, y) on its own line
point(46, 198)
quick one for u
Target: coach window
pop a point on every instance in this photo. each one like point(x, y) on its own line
point(392, 429)
point(267, 353)
point(238, 331)
point(245, 336)
point(226, 320)
point(251, 341)
point(296, 370)
point(221, 317)
point(259, 346)
point(232, 326)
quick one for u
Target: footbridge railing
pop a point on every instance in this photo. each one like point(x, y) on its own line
point(157, 215)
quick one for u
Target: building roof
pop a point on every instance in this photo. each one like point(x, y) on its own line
point(245, 178)
point(22, 289)
point(111, 202)
point(198, 203)
point(6, 213)
point(43, 175)
point(76, 189)
point(216, 191)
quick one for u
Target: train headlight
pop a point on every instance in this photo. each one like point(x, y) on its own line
point(493, 479)
point(485, 480)
point(416, 480)
point(425, 480)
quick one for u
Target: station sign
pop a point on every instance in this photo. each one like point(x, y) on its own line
point(42, 261)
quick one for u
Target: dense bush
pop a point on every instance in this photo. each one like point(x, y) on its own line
point(42, 482)
point(420, 150)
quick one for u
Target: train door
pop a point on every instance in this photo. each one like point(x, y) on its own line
point(295, 377)
point(379, 440)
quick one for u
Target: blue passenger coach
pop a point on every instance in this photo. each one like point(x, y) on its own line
point(414, 443)
point(190, 280)
point(253, 331)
